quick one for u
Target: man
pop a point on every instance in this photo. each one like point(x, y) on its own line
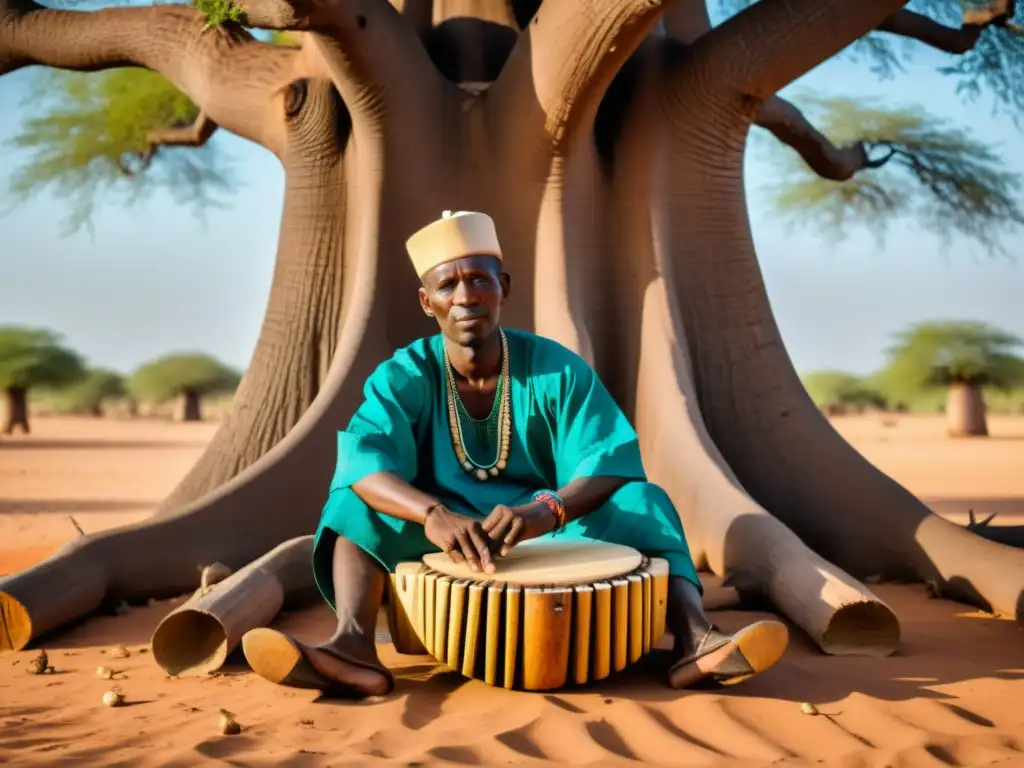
point(470, 442)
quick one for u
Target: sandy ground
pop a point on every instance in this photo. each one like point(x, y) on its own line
point(951, 696)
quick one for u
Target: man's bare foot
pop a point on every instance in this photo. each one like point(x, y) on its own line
point(730, 659)
point(276, 657)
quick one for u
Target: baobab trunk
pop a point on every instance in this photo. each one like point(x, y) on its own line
point(300, 330)
point(965, 410)
point(779, 445)
point(627, 240)
point(188, 406)
point(17, 410)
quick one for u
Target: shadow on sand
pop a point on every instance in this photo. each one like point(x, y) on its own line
point(32, 444)
point(72, 506)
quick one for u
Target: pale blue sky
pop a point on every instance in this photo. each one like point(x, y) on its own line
point(151, 279)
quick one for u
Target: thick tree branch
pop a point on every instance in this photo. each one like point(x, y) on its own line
point(563, 63)
point(418, 14)
point(956, 41)
point(686, 20)
point(195, 134)
point(789, 125)
point(228, 74)
point(373, 54)
point(773, 42)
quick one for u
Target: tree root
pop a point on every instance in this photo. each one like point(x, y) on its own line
point(744, 544)
point(196, 638)
point(276, 499)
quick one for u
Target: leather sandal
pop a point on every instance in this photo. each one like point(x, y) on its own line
point(730, 659)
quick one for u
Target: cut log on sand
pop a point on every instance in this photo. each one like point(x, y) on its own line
point(610, 155)
point(197, 637)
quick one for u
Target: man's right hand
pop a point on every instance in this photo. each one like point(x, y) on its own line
point(460, 536)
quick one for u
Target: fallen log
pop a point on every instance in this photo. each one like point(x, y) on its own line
point(197, 637)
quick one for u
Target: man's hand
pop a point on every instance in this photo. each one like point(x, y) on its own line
point(507, 526)
point(461, 537)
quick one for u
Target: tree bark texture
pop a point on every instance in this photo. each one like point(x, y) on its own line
point(17, 410)
point(610, 157)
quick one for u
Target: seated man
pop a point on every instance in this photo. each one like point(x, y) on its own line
point(470, 442)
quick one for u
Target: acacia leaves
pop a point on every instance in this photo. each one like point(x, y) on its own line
point(220, 11)
point(89, 141)
point(929, 169)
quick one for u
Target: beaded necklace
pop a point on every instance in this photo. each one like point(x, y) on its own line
point(499, 420)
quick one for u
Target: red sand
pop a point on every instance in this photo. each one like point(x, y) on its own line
point(952, 696)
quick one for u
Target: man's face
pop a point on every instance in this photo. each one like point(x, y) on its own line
point(465, 297)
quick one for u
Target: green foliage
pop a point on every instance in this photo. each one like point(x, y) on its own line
point(841, 389)
point(88, 393)
point(220, 11)
point(170, 376)
point(32, 357)
point(88, 141)
point(933, 355)
point(950, 181)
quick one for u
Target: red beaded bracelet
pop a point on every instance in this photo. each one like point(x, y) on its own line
point(552, 502)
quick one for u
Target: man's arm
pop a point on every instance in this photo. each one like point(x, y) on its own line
point(507, 526)
point(585, 494)
point(462, 537)
point(389, 494)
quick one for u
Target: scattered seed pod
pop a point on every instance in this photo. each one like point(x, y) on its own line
point(808, 709)
point(228, 725)
point(213, 574)
point(39, 664)
point(120, 652)
point(104, 672)
point(113, 699)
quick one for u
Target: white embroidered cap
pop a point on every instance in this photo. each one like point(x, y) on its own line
point(455, 235)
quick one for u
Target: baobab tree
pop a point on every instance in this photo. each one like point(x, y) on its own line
point(609, 149)
point(184, 376)
point(960, 357)
point(32, 358)
point(838, 391)
point(88, 395)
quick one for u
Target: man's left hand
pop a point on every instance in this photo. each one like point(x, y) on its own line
point(511, 525)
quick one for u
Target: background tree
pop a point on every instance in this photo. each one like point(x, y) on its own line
point(187, 377)
point(32, 357)
point(88, 394)
point(838, 391)
point(959, 357)
point(610, 151)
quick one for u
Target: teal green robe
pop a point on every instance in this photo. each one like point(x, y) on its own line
point(565, 426)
